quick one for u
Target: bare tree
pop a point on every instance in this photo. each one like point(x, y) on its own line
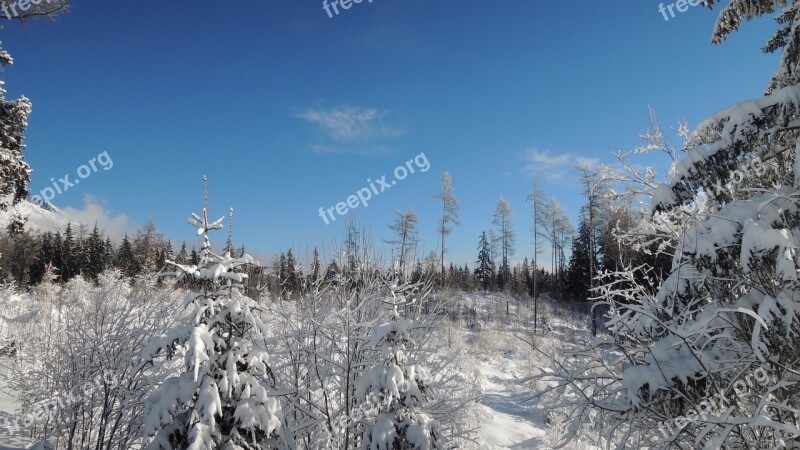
point(505, 238)
point(405, 228)
point(538, 230)
point(449, 214)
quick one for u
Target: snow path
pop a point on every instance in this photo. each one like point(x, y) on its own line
point(507, 424)
point(10, 437)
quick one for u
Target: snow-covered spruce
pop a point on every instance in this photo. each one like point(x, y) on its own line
point(15, 174)
point(222, 399)
point(708, 358)
point(393, 395)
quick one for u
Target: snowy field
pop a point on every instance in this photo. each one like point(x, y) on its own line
point(502, 358)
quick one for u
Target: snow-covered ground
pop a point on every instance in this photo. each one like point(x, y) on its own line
point(503, 357)
point(10, 436)
point(507, 420)
point(507, 424)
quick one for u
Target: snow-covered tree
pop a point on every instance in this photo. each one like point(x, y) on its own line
point(708, 357)
point(222, 400)
point(393, 394)
point(15, 174)
point(484, 272)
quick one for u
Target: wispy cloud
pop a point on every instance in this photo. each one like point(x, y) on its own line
point(555, 166)
point(587, 162)
point(351, 129)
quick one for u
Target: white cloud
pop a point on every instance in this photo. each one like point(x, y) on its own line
point(331, 150)
point(548, 160)
point(94, 210)
point(351, 129)
point(587, 162)
point(555, 166)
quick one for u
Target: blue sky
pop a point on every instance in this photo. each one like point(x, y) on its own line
point(287, 110)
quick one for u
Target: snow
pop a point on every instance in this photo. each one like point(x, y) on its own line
point(39, 219)
point(508, 419)
point(11, 436)
point(506, 423)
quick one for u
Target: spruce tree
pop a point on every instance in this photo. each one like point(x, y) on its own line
point(579, 264)
point(484, 273)
point(292, 281)
point(15, 174)
point(126, 259)
point(222, 399)
point(96, 254)
point(183, 256)
point(708, 357)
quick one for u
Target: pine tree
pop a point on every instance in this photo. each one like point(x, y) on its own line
point(183, 256)
point(165, 255)
point(68, 255)
point(96, 254)
point(43, 258)
point(485, 270)
point(315, 266)
point(710, 353)
point(292, 284)
point(194, 257)
point(222, 398)
point(15, 174)
point(466, 278)
point(281, 274)
point(110, 251)
point(332, 272)
point(579, 263)
point(418, 273)
point(126, 259)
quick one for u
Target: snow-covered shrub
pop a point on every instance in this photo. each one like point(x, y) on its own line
point(324, 346)
point(396, 392)
point(77, 370)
